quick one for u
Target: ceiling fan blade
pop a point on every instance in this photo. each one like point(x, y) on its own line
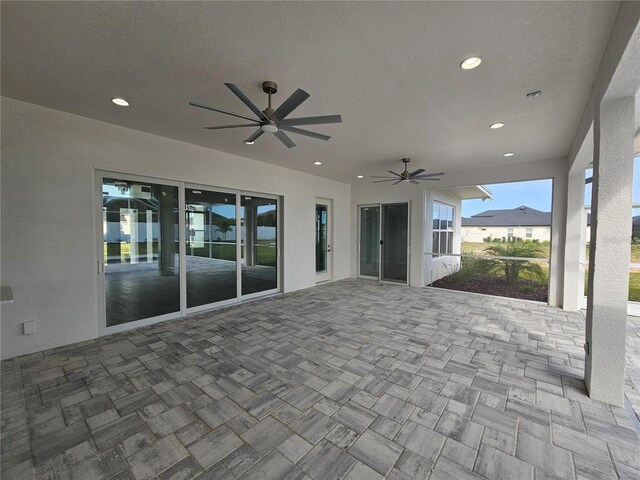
point(427, 175)
point(254, 136)
point(290, 104)
point(396, 182)
point(306, 133)
point(414, 182)
point(416, 172)
point(284, 139)
point(199, 105)
point(394, 173)
point(382, 176)
point(426, 179)
point(244, 99)
point(321, 120)
point(387, 180)
point(233, 126)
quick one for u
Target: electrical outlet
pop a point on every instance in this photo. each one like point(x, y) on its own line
point(29, 327)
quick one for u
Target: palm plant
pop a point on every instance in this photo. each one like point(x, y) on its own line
point(514, 269)
point(225, 225)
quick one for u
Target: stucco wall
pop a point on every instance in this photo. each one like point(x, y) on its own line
point(49, 204)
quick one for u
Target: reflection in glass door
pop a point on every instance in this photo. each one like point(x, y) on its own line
point(369, 265)
point(395, 238)
point(323, 240)
point(169, 250)
point(140, 250)
point(259, 219)
point(210, 239)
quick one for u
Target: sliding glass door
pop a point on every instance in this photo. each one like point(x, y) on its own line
point(383, 250)
point(395, 242)
point(259, 218)
point(139, 249)
point(210, 240)
point(157, 263)
point(369, 249)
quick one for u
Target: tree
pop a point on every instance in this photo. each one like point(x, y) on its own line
point(514, 269)
point(225, 225)
point(267, 219)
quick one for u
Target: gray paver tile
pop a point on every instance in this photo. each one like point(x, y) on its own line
point(214, 446)
point(354, 416)
point(266, 434)
point(326, 462)
point(156, 458)
point(376, 451)
point(420, 439)
point(493, 463)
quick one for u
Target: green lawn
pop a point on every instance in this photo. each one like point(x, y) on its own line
point(265, 252)
point(478, 248)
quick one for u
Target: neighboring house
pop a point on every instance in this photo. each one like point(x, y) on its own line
point(521, 222)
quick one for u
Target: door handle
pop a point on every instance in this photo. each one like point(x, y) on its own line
point(100, 267)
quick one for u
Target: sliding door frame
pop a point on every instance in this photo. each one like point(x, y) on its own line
point(103, 329)
point(279, 268)
point(359, 235)
point(183, 257)
point(380, 238)
point(382, 205)
point(100, 285)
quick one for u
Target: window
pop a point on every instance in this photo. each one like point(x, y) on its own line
point(442, 228)
point(510, 232)
point(529, 233)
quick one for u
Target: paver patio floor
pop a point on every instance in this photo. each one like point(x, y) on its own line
point(352, 379)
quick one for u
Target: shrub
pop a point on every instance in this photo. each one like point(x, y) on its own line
point(472, 269)
point(515, 269)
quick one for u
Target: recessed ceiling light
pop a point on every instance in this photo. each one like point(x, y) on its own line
point(508, 154)
point(471, 62)
point(360, 176)
point(249, 143)
point(496, 125)
point(317, 163)
point(120, 102)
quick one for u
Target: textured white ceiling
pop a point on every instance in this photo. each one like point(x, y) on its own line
point(391, 70)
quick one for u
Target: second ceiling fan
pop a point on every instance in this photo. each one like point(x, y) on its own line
point(408, 176)
point(274, 121)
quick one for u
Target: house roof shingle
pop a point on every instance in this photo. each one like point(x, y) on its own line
point(517, 217)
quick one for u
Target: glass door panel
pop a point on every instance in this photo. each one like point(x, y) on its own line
point(140, 248)
point(259, 220)
point(324, 235)
point(369, 241)
point(321, 238)
point(210, 238)
point(395, 237)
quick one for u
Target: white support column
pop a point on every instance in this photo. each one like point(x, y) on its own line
point(610, 250)
point(574, 244)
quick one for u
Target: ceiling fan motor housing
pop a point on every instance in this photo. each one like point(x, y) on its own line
point(269, 87)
